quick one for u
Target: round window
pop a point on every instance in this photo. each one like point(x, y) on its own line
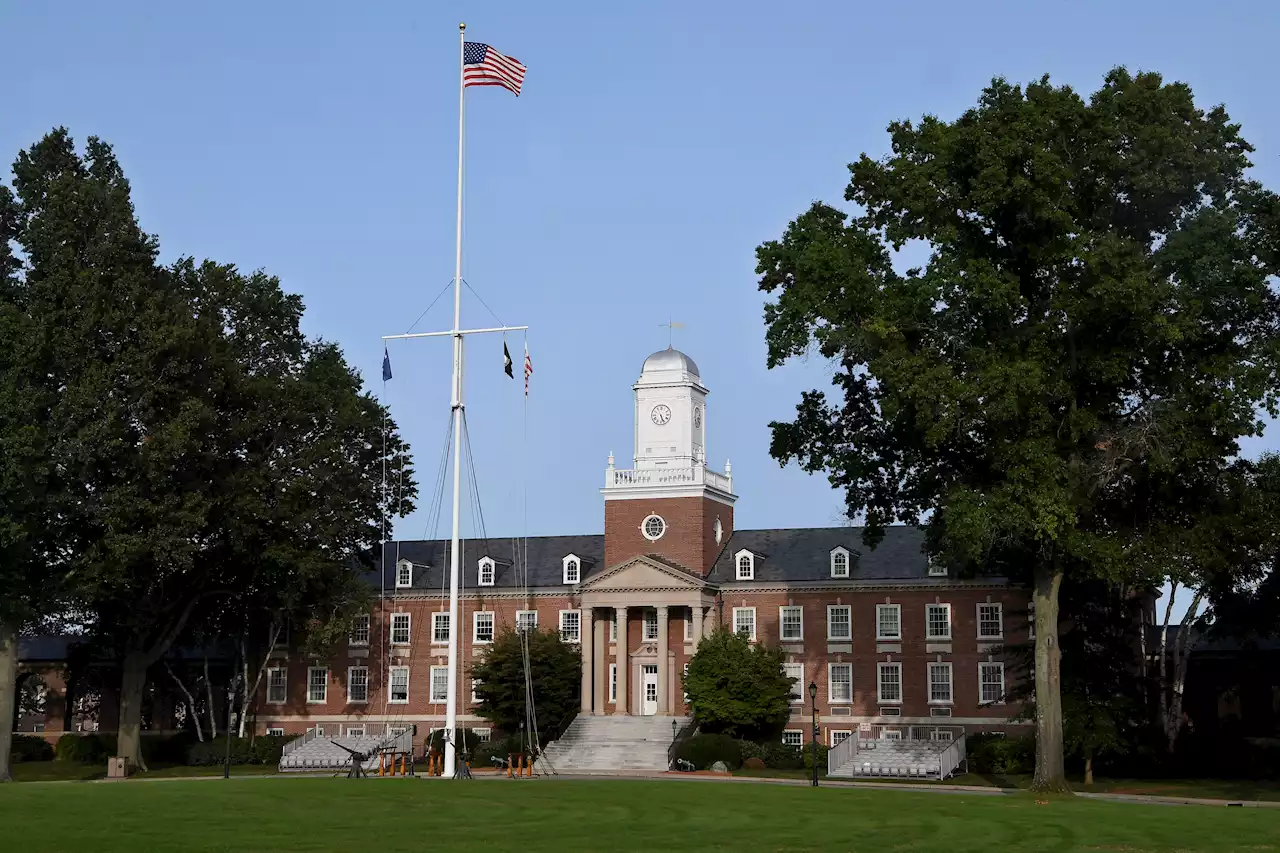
point(653, 527)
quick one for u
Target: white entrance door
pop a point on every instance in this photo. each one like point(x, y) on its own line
point(650, 701)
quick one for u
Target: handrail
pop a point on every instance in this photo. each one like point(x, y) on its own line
point(842, 753)
point(950, 758)
point(289, 747)
point(683, 734)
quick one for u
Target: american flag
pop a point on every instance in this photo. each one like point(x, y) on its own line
point(528, 369)
point(484, 66)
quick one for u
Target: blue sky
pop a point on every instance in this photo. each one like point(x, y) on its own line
point(655, 146)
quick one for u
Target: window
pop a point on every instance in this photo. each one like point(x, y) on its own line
point(399, 683)
point(688, 627)
point(572, 569)
point(746, 562)
point(937, 570)
point(744, 621)
point(396, 731)
point(359, 631)
point(990, 621)
point(400, 629)
point(317, 684)
point(483, 735)
point(940, 683)
point(482, 627)
point(892, 734)
point(275, 731)
point(840, 683)
point(937, 620)
point(319, 730)
point(684, 679)
point(890, 682)
point(355, 731)
point(439, 684)
point(795, 671)
point(943, 735)
point(571, 626)
point(793, 737)
point(839, 736)
point(475, 685)
point(839, 563)
point(651, 624)
point(839, 622)
point(792, 619)
point(439, 627)
point(526, 620)
point(487, 572)
point(276, 685)
point(991, 681)
point(653, 527)
point(357, 684)
point(888, 621)
point(404, 574)
point(613, 630)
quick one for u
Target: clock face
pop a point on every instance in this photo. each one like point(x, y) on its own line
point(660, 414)
point(697, 418)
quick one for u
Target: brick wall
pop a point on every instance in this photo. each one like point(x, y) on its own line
point(689, 539)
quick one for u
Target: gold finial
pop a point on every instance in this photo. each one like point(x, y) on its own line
point(462, 26)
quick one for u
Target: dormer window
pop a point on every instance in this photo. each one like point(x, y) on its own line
point(572, 569)
point(486, 572)
point(937, 570)
point(746, 566)
point(840, 563)
point(404, 574)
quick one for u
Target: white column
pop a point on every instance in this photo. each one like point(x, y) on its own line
point(586, 642)
point(620, 659)
point(697, 625)
point(664, 705)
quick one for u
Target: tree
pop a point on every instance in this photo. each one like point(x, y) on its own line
point(1094, 311)
point(555, 672)
point(738, 688)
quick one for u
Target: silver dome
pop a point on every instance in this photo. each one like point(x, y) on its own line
point(670, 359)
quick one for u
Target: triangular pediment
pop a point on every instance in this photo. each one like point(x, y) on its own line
point(638, 573)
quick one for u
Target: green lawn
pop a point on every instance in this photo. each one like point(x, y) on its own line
point(67, 771)
point(390, 815)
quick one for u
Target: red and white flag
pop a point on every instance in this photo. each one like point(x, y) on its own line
point(528, 369)
point(484, 66)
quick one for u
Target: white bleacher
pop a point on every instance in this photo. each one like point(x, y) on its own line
point(899, 752)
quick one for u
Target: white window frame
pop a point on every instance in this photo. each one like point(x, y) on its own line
point(351, 672)
point(436, 618)
point(483, 735)
point(661, 525)
point(577, 627)
point(744, 566)
point(688, 627)
point(613, 630)
point(896, 609)
point(275, 731)
point(324, 697)
point(881, 668)
point(405, 622)
point(526, 616)
point(284, 685)
point(355, 731)
point(836, 638)
point(999, 667)
point(684, 678)
point(937, 570)
point(782, 623)
point(835, 737)
point(404, 574)
point(613, 684)
point(745, 610)
point(840, 563)
point(391, 683)
point(831, 683)
point(441, 696)
point(999, 619)
point(951, 683)
point(928, 627)
point(650, 621)
point(572, 569)
point(475, 682)
point(942, 735)
point(478, 617)
point(799, 733)
point(486, 571)
point(362, 626)
point(797, 681)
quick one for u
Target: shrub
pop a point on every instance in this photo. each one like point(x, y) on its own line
point(754, 764)
point(704, 750)
point(265, 749)
point(774, 754)
point(822, 757)
point(30, 748)
point(737, 687)
point(999, 755)
point(167, 749)
point(82, 748)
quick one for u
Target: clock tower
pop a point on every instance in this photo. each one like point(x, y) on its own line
point(668, 503)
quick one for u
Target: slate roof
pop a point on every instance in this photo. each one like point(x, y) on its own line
point(545, 559)
point(801, 554)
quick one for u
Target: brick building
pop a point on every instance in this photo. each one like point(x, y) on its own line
point(886, 637)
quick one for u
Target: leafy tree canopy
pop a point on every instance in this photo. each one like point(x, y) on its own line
point(738, 688)
point(555, 670)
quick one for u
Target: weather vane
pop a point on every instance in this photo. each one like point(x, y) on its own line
point(671, 325)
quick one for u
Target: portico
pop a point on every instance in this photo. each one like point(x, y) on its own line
point(642, 620)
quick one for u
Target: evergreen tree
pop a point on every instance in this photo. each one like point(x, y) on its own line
point(738, 688)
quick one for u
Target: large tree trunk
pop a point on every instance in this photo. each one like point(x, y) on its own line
point(1050, 771)
point(8, 694)
point(1181, 657)
point(191, 702)
point(1162, 669)
point(132, 683)
point(1088, 767)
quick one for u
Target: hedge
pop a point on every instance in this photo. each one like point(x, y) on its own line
point(774, 754)
point(29, 748)
point(997, 754)
point(264, 749)
point(702, 751)
point(83, 748)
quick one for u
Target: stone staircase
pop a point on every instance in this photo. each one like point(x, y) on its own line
point(611, 744)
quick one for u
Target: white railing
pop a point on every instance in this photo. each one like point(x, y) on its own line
point(950, 758)
point(695, 476)
point(888, 731)
point(842, 753)
point(298, 741)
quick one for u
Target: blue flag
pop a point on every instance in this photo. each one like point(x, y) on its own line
point(386, 365)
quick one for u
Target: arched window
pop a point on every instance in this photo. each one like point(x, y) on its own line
point(572, 569)
point(839, 563)
point(746, 566)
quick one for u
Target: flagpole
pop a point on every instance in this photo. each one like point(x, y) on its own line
point(455, 545)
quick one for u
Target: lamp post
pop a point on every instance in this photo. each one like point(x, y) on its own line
point(813, 700)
